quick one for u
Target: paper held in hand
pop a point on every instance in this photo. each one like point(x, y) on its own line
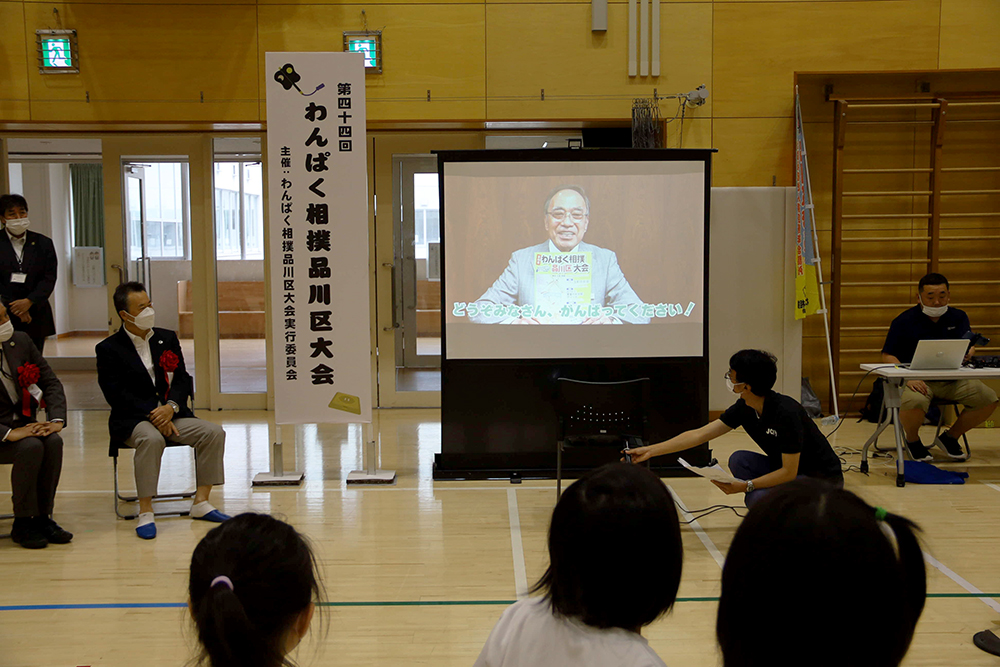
point(711, 472)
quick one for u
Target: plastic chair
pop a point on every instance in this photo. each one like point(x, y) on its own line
point(113, 448)
point(600, 414)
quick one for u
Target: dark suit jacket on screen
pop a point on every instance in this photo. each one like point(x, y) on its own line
point(39, 262)
point(126, 384)
point(17, 352)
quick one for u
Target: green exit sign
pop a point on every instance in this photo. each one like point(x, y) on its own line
point(369, 43)
point(57, 51)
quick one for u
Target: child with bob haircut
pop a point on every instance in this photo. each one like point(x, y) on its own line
point(796, 571)
point(592, 609)
point(252, 590)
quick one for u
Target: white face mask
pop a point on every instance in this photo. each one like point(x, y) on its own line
point(18, 226)
point(731, 387)
point(145, 319)
point(6, 331)
point(933, 311)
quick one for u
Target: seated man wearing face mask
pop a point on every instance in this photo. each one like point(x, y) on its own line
point(34, 448)
point(141, 372)
point(933, 319)
point(27, 272)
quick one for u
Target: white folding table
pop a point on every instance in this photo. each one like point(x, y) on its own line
point(896, 377)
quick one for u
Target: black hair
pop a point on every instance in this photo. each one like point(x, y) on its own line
point(273, 572)
point(10, 201)
point(757, 368)
point(932, 279)
point(792, 572)
point(121, 294)
point(614, 516)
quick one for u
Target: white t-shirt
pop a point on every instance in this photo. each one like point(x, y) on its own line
point(529, 635)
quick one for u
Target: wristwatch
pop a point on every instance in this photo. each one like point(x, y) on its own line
point(749, 486)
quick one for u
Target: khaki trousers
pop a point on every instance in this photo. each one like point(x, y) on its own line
point(208, 440)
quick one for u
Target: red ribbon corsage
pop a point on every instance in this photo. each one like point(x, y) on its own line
point(169, 363)
point(28, 375)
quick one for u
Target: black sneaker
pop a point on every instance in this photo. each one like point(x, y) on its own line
point(54, 533)
point(951, 446)
point(917, 451)
point(987, 641)
point(27, 533)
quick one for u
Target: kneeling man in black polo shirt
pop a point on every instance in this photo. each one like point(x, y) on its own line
point(793, 445)
point(933, 319)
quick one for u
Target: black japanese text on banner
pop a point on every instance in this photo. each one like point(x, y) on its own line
point(318, 252)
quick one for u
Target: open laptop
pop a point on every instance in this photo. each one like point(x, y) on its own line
point(939, 355)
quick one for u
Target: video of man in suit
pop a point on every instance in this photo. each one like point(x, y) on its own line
point(613, 250)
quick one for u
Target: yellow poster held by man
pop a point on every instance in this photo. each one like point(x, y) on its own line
point(807, 299)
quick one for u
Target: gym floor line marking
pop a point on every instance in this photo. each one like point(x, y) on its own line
point(398, 603)
point(958, 579)
point(992, 486)
point(699, 531)
point(516, 547)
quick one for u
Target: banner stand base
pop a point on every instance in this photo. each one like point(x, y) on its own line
point(270, 479)
point(277, 476)
point(372, 475)
point(376, 477)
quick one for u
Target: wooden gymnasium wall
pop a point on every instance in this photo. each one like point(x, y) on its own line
point(490, 60)
point(901, 139)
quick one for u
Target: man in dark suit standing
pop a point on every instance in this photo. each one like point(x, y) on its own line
point(141, 372)
point(28, 265)
point(34, 448)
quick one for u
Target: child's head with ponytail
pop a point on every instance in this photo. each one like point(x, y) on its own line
point(252, 591)
point(816, 576)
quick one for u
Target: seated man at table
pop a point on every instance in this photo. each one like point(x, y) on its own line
point(141, 372)
point(933, 319)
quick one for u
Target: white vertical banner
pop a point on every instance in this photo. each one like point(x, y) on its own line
point(318, 252)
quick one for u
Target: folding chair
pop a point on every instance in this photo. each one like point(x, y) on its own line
point(939, 403)
point(600, 414)
point(113, 448)
point(940, 424)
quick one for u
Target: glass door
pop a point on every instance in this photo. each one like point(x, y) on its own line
point(157, 208)
point(239, 265)
point(135, 225)
point(407, 266)
point(417, 242)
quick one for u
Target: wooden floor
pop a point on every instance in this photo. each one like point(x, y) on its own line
point(418, 573)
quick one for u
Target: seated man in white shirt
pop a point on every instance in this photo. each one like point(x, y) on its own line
point(141, 372)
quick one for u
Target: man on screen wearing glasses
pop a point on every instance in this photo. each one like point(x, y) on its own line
point(563, 280)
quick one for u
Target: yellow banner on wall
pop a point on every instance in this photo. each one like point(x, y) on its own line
point(806, 276)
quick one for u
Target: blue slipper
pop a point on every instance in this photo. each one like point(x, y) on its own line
point(146, 532)
point(215, 516)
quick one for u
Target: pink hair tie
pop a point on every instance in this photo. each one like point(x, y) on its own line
point(222, 580)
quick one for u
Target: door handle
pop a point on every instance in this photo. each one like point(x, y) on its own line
point(395, 325)
point(121, 273)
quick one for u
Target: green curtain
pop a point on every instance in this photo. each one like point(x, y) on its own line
point(88, 204)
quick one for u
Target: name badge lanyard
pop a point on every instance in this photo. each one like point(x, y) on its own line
point(20, 276)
